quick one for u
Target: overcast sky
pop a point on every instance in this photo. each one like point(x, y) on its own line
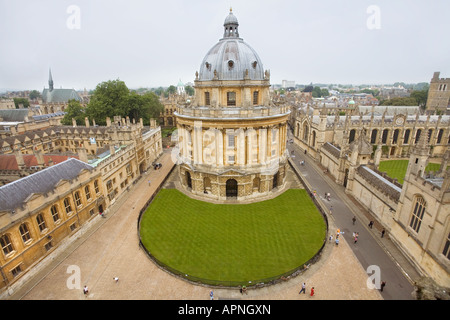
point(157, 43)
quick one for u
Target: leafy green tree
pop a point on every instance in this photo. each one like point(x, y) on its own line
point(171, 90)
point(113, 98)
point(189, 90)
point(400, 101)
point(421, 97)
point(75, 111)
point(34, 95)
point(108, 100)
point(21, 101)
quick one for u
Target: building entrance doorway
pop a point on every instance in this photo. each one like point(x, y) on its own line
point(232, 188)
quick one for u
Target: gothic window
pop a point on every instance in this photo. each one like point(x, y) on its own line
point(231, 98)
point(385, 135)
point(417, 214)
point(6, 244)
point(406, 137)
point(351, 138)
point(24, 232)
point(373, 138)
point(55, 214)
point(207, 100)
point(430, 133)
point(255, 97)
point(41, 222)
point(418, 135)
point(395, 137)
point(439, 137)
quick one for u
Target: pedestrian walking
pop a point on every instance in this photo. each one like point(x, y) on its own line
point(383, 232)
point(354, 220)
point(312, 291)
point(149, 183)
point(116, 279)
point(383, 284)
point(356, 238)
point(85, 290)
point(331, 238)
point(331, 210)
point(211, 295)
point(370, 224)
point(337, 241)
point(303, 288)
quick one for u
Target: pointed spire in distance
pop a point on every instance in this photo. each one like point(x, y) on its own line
point(50, 79)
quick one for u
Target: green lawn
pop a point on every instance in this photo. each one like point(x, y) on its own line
point(233, 243)
point(397, 168)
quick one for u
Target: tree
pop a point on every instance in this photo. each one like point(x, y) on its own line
point(113, 98)
point(75, 111)
point(421, 97)
point(400, 101)
point(34, 95)
point(21, 101)
point(189, 90)
point(171, 90)
point(108, 100)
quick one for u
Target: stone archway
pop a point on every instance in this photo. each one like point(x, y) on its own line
point(231, 188)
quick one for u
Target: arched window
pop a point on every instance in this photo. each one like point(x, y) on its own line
point(41, 222)
point(96, 188)
point(305, 132)
point(351, 138)
point(77, 199)
point(417, 214)
point(439, 137)
point(67, 205)
point(419, 131)
point(55, 214)
point(87, 191)
point(24, 232)
point(373, 138)
point(385, 135)
point(406, 137)
point(395, 136)
point(6, 244)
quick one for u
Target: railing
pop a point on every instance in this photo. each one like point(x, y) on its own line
point(231, 112)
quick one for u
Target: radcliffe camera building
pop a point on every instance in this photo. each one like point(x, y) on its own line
point(232, 137)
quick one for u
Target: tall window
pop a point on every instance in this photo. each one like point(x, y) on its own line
point(406, 137)
point(255, 97)
point(87, 191)
point(351, 137)
point(207, 99)
point(417, 214)
point(418, 135)
point(77, 199)
point(231, 98)
point(384, 136)
point(41, 222)
point(231, 140)
point(373, 138)
point(67, 205)
point(96, 188)
point(6, 244)
point(439, 137)
point(395, 137)
point(55, 214)
point(24, 232)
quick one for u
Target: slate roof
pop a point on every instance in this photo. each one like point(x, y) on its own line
point(59, 95)
point(14, 115)
point(14, 194)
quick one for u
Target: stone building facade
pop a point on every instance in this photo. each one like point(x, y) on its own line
point(439, 95)
point(232, 137)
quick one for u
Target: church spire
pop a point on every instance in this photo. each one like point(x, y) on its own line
point(50, 80)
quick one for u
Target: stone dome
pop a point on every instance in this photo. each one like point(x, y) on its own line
point(231, 58)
